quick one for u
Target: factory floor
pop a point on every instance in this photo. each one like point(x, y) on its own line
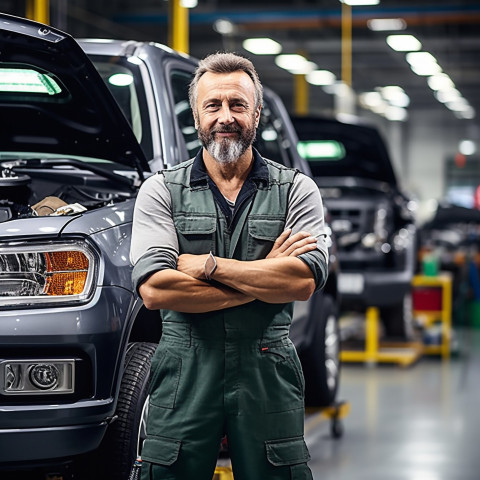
point(420, 422)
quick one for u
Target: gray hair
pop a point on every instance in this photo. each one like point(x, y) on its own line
point(224, 63)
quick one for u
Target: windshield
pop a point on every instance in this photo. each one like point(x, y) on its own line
point(124, 80)
point(334, 149)
point(270, 140)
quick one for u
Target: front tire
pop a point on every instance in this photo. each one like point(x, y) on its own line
point(321, 357)
point(121, 444)
point(397, 319)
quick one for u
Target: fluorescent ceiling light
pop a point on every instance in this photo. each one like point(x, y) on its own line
point(467, 114)
point(467, 147)
point(295, 63)
point(359, 3)
point(396, 114)
point(395, 96)
point(423, 63)
point(458, 105)
point(262, 46)
point(120, 79)
point(420, 58)
point(188, 3)
point(321, 77)
point(223, 26)
point(371, 99)
point(339, 89)
point(427, 69)
point(440, 81)
point(386, 24)
point(404, 43)
point(444, 96)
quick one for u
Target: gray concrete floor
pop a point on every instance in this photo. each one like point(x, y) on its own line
point(416, 423)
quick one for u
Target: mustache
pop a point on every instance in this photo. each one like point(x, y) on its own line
point(226, 129)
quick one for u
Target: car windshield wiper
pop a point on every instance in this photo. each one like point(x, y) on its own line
point(53, 162)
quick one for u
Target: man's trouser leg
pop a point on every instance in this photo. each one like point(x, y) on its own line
point(265, 412)
point(185, 421)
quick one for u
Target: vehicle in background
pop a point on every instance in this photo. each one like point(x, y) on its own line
point(75, 339)
point(371, 217)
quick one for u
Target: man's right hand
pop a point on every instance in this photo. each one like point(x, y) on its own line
point(287, 245)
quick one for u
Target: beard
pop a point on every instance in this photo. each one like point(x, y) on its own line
point(227, 150)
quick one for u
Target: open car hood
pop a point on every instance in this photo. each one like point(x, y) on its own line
point(73, 114)
point(363, 151)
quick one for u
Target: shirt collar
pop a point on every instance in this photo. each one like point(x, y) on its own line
point(199, 175)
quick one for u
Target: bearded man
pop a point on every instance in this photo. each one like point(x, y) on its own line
point(222, 245)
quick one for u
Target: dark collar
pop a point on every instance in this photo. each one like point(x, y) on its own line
point(199, 175)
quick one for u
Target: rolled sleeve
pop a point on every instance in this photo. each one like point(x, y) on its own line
point(154, 244)
point(149, 263)
point(318, 265)
point(305, 213)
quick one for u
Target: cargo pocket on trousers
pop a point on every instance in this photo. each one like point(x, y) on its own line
point(165, 381)
point(290, 453)
point(161, 450)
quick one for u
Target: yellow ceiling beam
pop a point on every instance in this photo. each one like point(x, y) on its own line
point(347, 44)
point(38, 10)
point(178, 27)
point(301, 94)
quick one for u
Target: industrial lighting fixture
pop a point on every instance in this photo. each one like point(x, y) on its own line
point(360, 3)
point(447, 95)
point(295, 63)
point(467, 147)
point(321, 77)
point(427, 69)
point(262, 46)
point(404, 43)
point(189, 3)
point(440, 81)
point(386, 24)
point(396, 114)
point(121, 79)
point(395, 96)
point(423, 63)
point(224, 26)
point(420, 58)
point(370, 100)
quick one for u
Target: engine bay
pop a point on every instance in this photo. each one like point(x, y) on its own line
point(40, 190)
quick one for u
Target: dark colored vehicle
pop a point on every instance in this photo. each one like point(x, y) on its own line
point(79, 134)
point(371, 217)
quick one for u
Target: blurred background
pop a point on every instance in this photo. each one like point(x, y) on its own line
point(350, 54)
point(410, 69)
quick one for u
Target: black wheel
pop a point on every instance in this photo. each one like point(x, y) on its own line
point(122, 442)
point(321, 357)
point(397, 319)
point(336, 428)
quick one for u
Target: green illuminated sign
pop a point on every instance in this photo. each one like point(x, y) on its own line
point(21, 80)
point(317, 150)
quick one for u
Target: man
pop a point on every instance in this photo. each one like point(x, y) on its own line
point(223, 244)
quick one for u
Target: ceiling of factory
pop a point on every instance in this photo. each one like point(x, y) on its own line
point(447, 29)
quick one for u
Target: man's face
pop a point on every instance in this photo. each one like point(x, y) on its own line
point(226, 115)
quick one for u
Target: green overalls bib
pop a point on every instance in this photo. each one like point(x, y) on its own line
point(233, 371)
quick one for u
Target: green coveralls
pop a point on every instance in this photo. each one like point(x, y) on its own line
point(233, 371)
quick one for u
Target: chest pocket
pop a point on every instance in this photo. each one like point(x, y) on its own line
point(262, 233)
point(196, 233)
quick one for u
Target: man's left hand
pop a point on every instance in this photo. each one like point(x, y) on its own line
point(193, 265)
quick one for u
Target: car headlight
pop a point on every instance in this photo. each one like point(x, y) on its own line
point(45, 274)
